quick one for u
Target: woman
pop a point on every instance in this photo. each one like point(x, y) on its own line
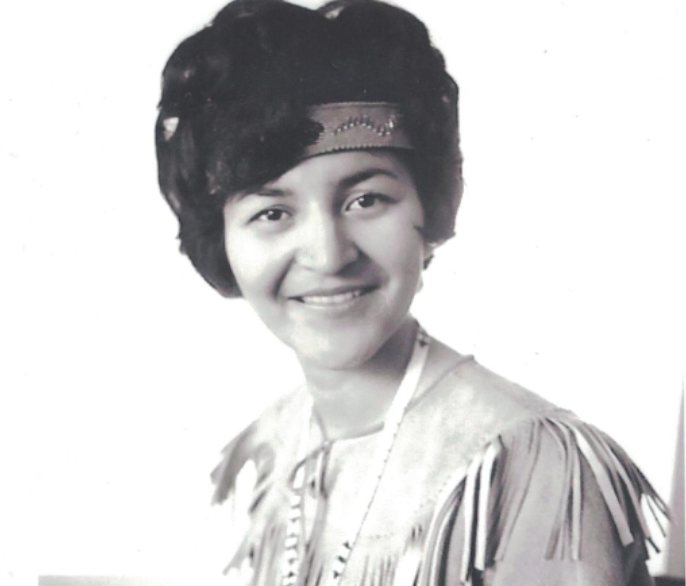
point(313, 161)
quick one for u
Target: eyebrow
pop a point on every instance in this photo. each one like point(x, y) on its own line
point(360, 177)
point(269, 192)
point(343, 184)
point(263, 192)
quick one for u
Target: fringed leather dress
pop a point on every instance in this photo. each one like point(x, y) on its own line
point(487, 484)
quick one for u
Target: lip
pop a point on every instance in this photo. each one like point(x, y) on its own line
point(334, 297)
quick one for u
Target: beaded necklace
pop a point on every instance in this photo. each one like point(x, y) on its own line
point(294, 547)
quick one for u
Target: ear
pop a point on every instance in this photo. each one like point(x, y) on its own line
point(429, 248)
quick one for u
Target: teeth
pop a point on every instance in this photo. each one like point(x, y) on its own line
point(331, 299)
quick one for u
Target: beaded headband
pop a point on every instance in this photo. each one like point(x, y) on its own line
point(346, 126)
point(357, 126)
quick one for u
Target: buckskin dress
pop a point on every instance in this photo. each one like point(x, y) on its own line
point(487, 483)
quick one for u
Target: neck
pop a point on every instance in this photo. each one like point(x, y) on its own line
point(351, 401)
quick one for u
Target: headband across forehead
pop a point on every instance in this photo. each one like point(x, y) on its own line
point(345, 126)
point(350, 126)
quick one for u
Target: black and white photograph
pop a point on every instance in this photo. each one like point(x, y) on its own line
point(346, 293)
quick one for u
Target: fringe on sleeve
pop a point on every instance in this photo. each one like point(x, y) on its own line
point(243, 449)
point(490, 493)
point(242, 479)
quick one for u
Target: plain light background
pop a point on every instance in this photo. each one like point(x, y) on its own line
point(123, 374)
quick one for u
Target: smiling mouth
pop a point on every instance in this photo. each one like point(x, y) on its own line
point(334, 300)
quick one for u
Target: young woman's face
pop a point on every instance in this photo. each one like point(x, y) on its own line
point(329, 254)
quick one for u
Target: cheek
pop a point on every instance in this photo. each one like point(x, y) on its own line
point(399, 254)
point(398, 244)
point(248, 261)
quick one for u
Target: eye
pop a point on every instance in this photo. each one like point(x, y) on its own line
point(368, 200)
point(270, 215)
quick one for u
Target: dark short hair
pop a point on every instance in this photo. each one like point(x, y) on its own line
point(233, 110)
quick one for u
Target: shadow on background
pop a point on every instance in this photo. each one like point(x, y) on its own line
point(111, 581)
point(142, 581)
point(668, 582)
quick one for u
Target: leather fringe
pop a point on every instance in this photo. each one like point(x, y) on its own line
point(490, 492)
point(491, 497)
point(242, 449)
point(258, 562)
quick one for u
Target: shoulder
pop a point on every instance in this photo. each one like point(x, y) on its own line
point(550, 499)
point(476, 405)
point(259, 444)
point(536, 496)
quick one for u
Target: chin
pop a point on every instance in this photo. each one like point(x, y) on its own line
point(337, 348)
point(336, 352)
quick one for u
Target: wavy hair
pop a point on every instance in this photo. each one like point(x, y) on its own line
point(233, 109)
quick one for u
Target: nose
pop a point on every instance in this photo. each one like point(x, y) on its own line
point(325, 246)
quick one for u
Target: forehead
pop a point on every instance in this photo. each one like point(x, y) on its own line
point(336, 170)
